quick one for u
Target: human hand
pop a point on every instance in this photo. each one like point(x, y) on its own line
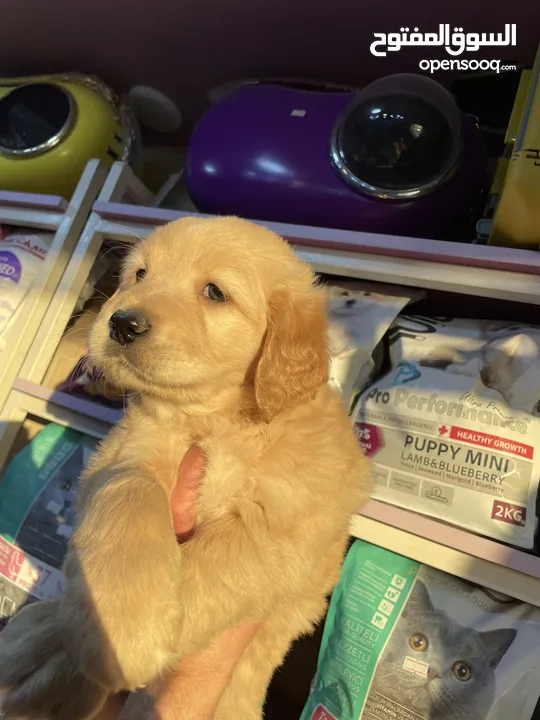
point(194, 689)
point(185, 493)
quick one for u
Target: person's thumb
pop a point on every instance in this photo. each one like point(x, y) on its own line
point(184, 495)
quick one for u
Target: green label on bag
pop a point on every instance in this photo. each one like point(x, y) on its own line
point(365, 606)
point(38, 498)
point(29, 473)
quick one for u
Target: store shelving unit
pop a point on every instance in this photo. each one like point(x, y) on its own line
point(467, 272)
point(66, 220)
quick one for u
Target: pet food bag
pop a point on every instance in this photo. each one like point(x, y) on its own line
point(407, 642)
point(21, 258)
point(359, 315)
point(37, 512)
point(452, 428)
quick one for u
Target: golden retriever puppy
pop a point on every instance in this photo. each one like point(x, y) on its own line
point(220, 334)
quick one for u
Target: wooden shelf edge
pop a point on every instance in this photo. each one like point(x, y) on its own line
point(453, 537)
point(488, 571)
point(438, 251)
point(68, 402)
point(32, 201)
point(48, 220)
point(442, 277)
point(474, 570)
point(145, 215)
point(20, 405)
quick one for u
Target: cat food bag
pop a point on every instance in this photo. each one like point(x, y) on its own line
point(403, 641)
point(360, 313)
point(453, 427)
point(21, 258)
point(37, 511)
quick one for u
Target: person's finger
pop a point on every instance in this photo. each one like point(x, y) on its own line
point(184, 495)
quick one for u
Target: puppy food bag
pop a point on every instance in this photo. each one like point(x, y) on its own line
point(453, 428)
point(21, 257)
point(408, 642)
point(360, 313)
point(37, 511)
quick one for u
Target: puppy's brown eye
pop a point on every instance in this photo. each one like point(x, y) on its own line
point(140, 274)
point(212, 292)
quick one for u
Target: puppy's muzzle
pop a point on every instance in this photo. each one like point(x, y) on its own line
point(126, 326)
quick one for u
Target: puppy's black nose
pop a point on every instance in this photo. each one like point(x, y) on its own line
point(350, 303)
point(125, 326)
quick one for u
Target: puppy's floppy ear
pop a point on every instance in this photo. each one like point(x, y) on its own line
point(294, 358)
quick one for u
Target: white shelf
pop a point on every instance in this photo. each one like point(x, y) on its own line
point(67, 221)
point(447, 548)
point(492, 272)
point(429, 275)
point(497, 273)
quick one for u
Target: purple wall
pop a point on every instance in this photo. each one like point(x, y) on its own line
point(186, 47)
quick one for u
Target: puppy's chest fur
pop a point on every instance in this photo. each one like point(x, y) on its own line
point(282, 466)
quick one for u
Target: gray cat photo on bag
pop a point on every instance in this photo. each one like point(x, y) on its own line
point(437, 668)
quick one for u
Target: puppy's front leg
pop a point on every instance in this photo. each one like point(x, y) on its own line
point(235, 571)
point(120, 613)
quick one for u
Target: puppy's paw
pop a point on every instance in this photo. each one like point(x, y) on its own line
point(38, 680)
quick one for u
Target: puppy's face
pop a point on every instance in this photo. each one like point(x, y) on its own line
point(197, 304)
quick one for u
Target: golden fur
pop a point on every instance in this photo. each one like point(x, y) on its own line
point(244, 379)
